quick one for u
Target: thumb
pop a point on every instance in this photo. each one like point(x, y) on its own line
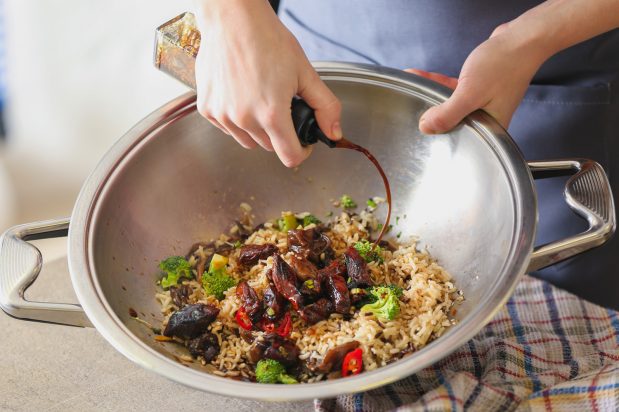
point(319, 97)
point(446, 116)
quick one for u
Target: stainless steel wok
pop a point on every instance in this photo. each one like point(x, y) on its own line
point(174, 179)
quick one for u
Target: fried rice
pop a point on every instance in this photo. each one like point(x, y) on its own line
point(427, 305)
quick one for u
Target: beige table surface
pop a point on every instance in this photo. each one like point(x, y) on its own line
point(60, 368)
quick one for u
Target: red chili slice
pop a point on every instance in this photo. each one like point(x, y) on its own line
point(284, 328)
point(353, 363)
point(242, 318)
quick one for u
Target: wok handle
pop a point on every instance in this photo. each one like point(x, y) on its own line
point(589, 195)
point(20, 265)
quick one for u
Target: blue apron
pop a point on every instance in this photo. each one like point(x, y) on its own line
point(570, 110)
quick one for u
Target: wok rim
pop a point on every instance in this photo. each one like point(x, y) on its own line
point(91, 297)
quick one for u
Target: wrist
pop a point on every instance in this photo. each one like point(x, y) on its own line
point(208, 12)
point(530, 38)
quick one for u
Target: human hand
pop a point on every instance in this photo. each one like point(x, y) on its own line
point(248, 69)
point(494, 78)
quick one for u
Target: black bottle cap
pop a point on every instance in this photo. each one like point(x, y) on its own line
point(306, 126)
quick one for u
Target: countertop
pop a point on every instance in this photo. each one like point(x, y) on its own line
point(62, 368)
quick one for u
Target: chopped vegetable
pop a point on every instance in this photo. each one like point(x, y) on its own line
point(237, 244)
point(347, 203)
point(175, 267)
point(371, 203)
point(242, 318)
point(309, 219)
point(398, 291)
point(353, 363)
point(369, 252)
point(217, 262)
point(162, 338)
point(309, 283)
point(271, 371)
point(216, 281)
point(284, 328)
point(387, 304)
point(287, 222)
point(287, 379)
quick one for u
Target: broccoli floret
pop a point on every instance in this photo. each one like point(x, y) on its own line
point(271, 371)
point(369, 252)
point(175, 267)
point(309, 219)
point(387, 304)
point(398, 291)
point(216, 281)
point(347, 203)
point(287, 222)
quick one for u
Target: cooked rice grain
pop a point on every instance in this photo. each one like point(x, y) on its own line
point(425, 308)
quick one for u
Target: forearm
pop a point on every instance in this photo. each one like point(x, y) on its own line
point(558, 24)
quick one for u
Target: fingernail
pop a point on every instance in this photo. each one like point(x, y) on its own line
point(336, 130)
point(425, 127)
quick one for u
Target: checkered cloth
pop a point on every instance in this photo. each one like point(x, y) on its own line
point(546, 349)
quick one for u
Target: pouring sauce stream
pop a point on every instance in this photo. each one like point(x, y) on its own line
point(347, 144)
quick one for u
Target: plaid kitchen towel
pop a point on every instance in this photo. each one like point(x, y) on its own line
point(546, 349)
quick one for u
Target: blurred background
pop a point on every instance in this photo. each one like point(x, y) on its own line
point(75, 75)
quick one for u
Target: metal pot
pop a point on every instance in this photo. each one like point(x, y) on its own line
point(174, 179)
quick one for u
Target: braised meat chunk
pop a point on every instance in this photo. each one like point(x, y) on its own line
point(303, 268)
point(249, 301)
point(311, 244)
point(308, 275)
point(357, 269)
point(337, 291)
point(285, 281)
point(311, 290)
point(317, 311)
point(206, 346)
point(274, 304)
point(191, 321)
point(336, 267)
point(273, 346)
point(251, 254)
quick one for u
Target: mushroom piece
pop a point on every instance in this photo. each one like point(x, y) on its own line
point(191, 321)
point(205, 345)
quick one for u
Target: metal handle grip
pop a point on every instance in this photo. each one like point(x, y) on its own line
point(588, 193)
point(20, 265)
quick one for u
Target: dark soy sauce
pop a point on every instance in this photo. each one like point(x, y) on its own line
point(308, 131)
point(346, 144)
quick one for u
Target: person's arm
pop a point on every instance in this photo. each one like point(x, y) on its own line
point(497, 73)
point(248, 69)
